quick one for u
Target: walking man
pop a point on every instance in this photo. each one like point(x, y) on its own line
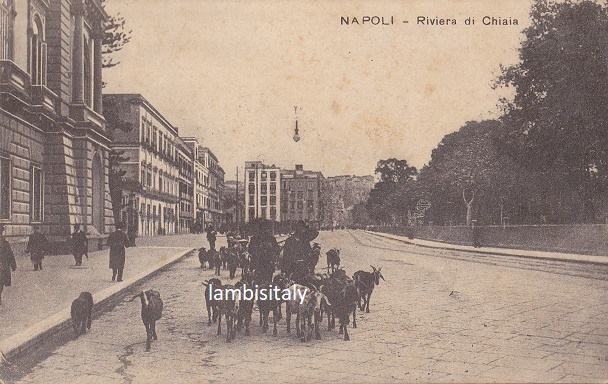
point(118, 241)
point(80, 244)
point(211, 236)
point(37, 247)
point(297, 252)
point(7, 262)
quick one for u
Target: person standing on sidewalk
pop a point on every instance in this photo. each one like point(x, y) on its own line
point(211, 236)
point(37, 247)
point(118, 241)
point(80, 244)
point(7, 262)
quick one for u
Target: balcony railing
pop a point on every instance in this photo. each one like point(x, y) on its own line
point(14, 83)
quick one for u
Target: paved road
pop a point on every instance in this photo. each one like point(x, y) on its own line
point(441, 316)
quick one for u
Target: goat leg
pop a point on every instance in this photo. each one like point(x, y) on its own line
point(288, 319)
point(219, 325)
point(275, 320)
point(346, 338)
point(355, 316)
point(154, 330)
point(369, 296)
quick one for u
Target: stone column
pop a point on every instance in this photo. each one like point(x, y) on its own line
point(97, 66)
point(78, 59)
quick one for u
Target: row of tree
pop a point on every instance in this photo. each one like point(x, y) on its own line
point(545, 160)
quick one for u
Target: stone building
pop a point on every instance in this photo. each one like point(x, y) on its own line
point(185, 159)
point(302, 196)
point(149, 143)
point(54, 148)
point(343, 193)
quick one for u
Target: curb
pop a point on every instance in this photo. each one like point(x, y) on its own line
point(600, 260)
point(19, 343)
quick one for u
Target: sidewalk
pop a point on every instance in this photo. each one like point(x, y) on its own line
point(498, 251)
point(38, 302)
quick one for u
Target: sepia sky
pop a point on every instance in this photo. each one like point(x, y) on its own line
point(231, 72)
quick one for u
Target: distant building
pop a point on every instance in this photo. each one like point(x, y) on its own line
point(152, 168)
point(185, 160)
point(301, 196)
point(263, 191)
point(343, 193)
point(208, 186)
point(233, 203)
point(54, 146)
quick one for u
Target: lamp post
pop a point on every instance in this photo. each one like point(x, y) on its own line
point(296, 136)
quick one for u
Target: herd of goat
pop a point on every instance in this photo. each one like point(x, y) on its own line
point(334, 294)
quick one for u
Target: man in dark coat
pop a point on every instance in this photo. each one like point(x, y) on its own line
point(37, 247)
point(7, 262)
point(80, 244)
point(211, 236)
point(118, 241)
point(297, 251)
point(264, 251)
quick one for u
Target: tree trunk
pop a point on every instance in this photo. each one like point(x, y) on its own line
point(469, 205)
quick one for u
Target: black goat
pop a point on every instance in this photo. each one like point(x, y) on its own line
point(151, 311)
point(345, 303)
point(265, 306)
point(229, 307)
point(333, 259)
point(212, 305)
point(202, 257)
point(245, 306)
point(365, 282)
point(334, 288)
point(81, 311)
point(232, 259)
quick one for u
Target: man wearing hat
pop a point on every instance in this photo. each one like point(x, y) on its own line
point(7, 262)
point(118, 241)
point(297, 251)
point(264, 250)
point(37, 247)
point(80, 244)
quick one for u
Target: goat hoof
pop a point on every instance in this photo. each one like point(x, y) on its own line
point(354, 325)
point(274, 332)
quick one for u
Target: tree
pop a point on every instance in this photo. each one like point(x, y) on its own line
point(393, 173)
point(558, 121)
point(115, 38)
point(466, 166)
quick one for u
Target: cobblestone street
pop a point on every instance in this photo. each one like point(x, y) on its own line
point(439, 317)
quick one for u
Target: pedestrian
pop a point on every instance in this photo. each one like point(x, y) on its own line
point(7, 262)
point(37, 247)
point(118, 241)
point(211, 236)
point(80, 244)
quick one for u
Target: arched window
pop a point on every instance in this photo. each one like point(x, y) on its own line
point(37, 54)
point(7, 16)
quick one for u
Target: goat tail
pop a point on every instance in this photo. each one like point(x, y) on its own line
point(134, 297)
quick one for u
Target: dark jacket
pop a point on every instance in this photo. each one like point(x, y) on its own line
point(37, 246)
point(118, 241)
point(264, 251)
point(297, 249)
point(7, 262)
point(79, 243)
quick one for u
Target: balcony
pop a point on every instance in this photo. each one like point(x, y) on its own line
point(44, 99)
point(14, 85)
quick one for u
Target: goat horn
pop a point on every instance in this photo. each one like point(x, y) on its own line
point(374, 268)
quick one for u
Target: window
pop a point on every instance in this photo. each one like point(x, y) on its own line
point(273, 213)
point(5, 188)
point(251, 176)
point(263, 200)
point(264, 188)
point(300, 205)
point(251, 200)
point(273, 176)
point(292, 205)
point(263, 175)
point(273, 200)
point(311, 194)
point(292, 194)
point(251, 188)
point(273, 189)
point(300, 195)
point(36, 194)
point(37, 54)
point(263, 213)
point(252, 213)
point(87, 75)
point(311, 185)
point(7, 15)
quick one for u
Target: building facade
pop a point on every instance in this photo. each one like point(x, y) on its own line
point(344, 192)
point(54, 147)
point(152, 170)
point(302, 196)
point(263, 191)
point(185, 160)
